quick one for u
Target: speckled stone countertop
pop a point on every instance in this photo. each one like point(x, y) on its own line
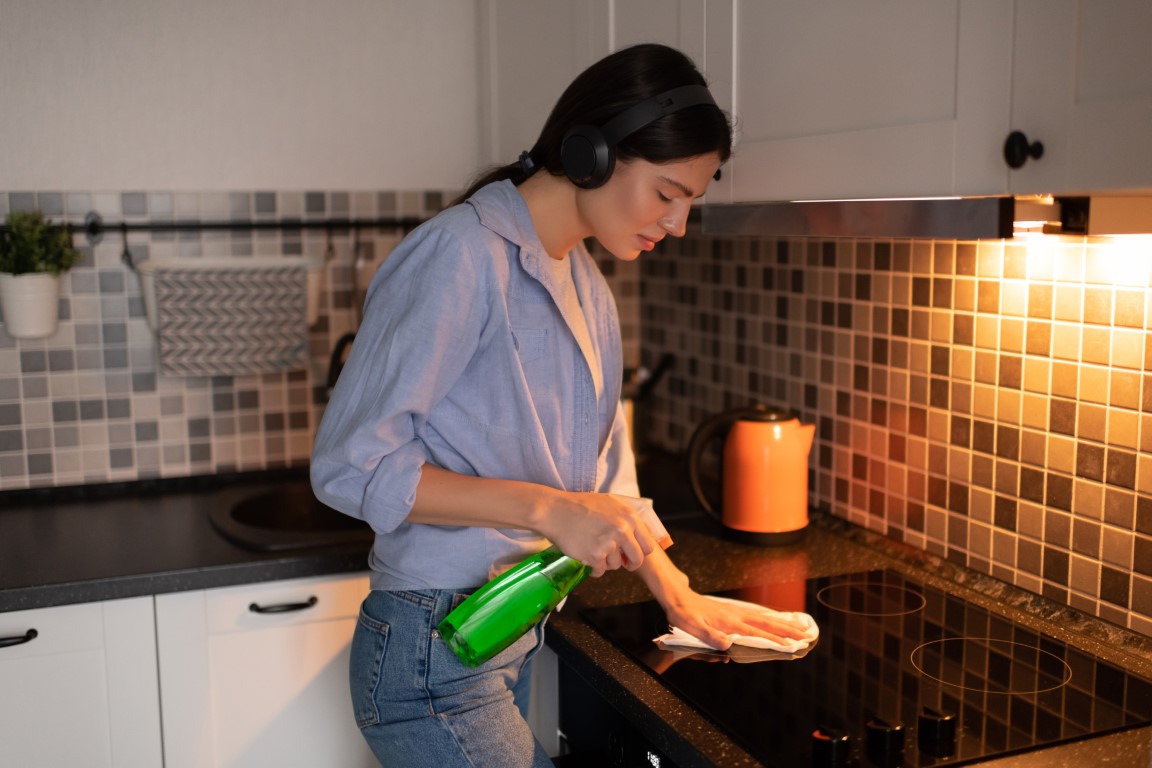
point(831, 546)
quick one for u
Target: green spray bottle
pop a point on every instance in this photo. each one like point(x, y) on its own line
point(500, 612)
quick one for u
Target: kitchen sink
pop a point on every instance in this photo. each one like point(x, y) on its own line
point(285, 516)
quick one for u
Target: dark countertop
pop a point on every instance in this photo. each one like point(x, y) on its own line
point(155, 537)
point(132, 539)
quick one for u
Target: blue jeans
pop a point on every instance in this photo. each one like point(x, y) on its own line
point(418, 705)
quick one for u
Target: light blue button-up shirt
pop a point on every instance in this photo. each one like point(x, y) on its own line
point(466, 361)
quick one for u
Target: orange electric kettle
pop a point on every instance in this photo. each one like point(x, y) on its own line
point(763, 476)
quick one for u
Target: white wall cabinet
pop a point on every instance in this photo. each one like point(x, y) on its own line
point(900, 98)
point(843, 100)
point(531, 50)
point(1082, 85)
point(82, 690)
point(678, 23)
point(244, 688)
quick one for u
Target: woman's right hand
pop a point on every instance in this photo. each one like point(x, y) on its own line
point(602, 530)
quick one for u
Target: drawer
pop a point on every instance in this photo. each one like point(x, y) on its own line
point(60, 629)
point(253, 606)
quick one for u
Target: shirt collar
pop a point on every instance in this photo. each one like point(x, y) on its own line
point(501, 208)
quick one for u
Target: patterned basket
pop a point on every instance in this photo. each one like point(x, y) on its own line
point(227, 317)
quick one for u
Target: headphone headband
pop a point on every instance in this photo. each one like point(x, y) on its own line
point(650, 110)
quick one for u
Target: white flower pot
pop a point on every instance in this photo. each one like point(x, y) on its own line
point(30, 304)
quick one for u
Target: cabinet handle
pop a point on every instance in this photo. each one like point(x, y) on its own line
point(284, 607)
point(27, 637)
point(1017, 149)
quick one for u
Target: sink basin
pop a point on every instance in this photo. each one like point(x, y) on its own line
point(283, 517)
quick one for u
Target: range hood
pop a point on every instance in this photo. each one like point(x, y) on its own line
point(956, 218)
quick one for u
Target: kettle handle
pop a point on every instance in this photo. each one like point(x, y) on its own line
point(700, 439)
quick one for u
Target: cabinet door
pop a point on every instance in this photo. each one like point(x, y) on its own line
point(529, 51)
point(845, 100)
point(532, 49)
point(82, 690)
point(678, 23)
point(1082, 85)
point(245, 688)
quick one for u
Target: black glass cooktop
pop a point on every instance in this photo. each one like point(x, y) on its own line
point(903, 674)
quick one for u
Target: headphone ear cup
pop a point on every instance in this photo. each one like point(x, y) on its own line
point(586, 157)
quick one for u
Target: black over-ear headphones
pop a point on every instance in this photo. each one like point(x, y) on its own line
point(588, 152)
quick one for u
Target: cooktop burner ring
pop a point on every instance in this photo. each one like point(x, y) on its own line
point(867, 598)
point(1005, 650)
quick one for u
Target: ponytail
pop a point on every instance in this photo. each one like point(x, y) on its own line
point(516, 172)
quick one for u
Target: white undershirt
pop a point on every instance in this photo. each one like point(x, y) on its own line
point(574, 313)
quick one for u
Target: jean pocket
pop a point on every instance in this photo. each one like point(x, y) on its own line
point(365, 668)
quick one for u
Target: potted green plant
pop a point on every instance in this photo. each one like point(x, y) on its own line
point(33, 254)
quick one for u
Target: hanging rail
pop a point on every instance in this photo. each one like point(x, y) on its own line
point(94, 226)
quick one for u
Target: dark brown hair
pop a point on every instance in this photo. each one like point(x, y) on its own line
point(607, 88)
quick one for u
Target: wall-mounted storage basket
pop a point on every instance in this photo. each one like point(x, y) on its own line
point(230, 316)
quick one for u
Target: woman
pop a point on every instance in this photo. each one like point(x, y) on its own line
point(478, 416)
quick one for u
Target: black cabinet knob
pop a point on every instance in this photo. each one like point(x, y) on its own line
point(936, 733)
point(1017, 149)
point(830, 748)
point(884, 743)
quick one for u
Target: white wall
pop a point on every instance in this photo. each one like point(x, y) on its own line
point(238, 94)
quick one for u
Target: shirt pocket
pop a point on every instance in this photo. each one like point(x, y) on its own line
point(531, 343)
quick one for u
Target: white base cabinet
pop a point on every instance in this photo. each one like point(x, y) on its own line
point(78, 686)
point(257, 675)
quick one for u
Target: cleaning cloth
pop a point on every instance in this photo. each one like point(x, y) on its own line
point(678, 637)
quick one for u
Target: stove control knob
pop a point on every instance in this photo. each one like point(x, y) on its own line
point(936, 733)
point(830, 748)
point(884, 743)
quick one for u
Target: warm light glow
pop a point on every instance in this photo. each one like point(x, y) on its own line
point(1036, 214)
point(1122, 260)
point(1040, 256)
point(874, 199)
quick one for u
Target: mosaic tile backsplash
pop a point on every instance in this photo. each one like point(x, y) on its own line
point(989, 402)
point(87, 405)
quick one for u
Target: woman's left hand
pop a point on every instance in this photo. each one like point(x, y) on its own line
point(707, 620)
point(714, 623)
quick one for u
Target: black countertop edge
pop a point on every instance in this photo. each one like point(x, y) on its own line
point(302, 564)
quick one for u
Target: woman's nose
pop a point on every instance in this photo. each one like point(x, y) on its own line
point(676, 222)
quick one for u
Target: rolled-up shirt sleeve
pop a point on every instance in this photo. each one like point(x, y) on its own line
point(424, 314)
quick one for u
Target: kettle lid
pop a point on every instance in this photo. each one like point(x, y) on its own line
point(767, 413)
